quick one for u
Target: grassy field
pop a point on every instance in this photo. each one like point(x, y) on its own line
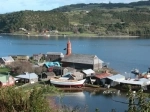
point(4, 70)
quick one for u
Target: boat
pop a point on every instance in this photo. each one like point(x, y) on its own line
point(67, 80)
point(135, 71)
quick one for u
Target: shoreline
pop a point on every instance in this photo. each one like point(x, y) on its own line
point(72, 35)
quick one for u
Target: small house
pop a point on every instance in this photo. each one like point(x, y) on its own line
point(54, 56)
point(101, 79)
point(47, 75)
point(6, 60)
point(37, 57)
point(20, 57)
point(6, 80)
point(63, 70)
point(116, 79)
point(27, 78)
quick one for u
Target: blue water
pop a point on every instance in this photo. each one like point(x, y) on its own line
point(121, 54)
point(88, 102)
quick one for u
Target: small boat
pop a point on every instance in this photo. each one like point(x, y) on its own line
point(135, 71)
point(67, 80)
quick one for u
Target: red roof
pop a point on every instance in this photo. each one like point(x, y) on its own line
point(103, 75)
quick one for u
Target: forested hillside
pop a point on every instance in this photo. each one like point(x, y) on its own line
point(100, 19)
point(33, 20)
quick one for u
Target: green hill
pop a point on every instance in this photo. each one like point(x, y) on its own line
point(98, 19)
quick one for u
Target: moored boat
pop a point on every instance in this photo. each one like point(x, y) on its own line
point(67, 80)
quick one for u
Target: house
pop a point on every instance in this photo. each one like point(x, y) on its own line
point(80, 61)
point(27, 78)
point(6, 80)
point(54, 56)
point(37, 57)
point(6, 60)
point(20, 57)
point(116, 79)
point(101, 79)
point(88, 72)
point(47, 75)
point(63, 70)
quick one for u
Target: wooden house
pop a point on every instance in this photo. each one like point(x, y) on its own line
point(54, 56)
point(37, 57)
point(6, 80)
point(20, 57)
point(6, 60)
point(63, 70)
point(82, 61)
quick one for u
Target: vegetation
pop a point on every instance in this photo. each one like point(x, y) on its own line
point(18, 100)
point(97, 19)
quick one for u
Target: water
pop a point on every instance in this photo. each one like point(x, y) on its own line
point(89, 101)
point(122, 55)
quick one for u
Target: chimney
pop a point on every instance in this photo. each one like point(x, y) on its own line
point(68, 48)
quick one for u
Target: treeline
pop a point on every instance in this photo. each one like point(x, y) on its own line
point(33, 20)
point(83, 6)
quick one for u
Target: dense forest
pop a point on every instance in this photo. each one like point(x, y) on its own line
point(97, 18)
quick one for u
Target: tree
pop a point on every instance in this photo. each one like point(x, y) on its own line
point(21, 66)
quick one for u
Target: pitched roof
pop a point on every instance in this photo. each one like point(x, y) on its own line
point(102, 75)
point(117, 77)
point(88, 71)
point(7, 59)
point(56, 53)
point(79, 58)
point(27, 76)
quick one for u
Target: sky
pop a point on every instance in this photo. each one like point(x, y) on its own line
point(7, 6)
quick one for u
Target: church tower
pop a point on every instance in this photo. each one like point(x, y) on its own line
point(68, 48)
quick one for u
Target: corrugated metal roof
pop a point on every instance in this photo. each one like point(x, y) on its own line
point(79, 58)
point(103, 75)
point(8, 59)
point(27, 76)
point(142, 81)
point(117, 77)
point(88, 71)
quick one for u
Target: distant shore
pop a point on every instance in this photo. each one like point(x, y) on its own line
point(70, 35)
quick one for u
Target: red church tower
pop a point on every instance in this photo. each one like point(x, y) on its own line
point(68, 48)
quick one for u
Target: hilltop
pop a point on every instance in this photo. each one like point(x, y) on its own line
point(112, 19)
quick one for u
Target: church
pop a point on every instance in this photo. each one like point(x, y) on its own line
point(80, 61)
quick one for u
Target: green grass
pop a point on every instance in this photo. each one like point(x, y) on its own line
point(4, 70)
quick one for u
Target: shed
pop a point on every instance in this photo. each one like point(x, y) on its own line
point(88, 72)
point(141, 81)
point(27, 77)
point(115, 79)
point(47, 75)
point(101, 79)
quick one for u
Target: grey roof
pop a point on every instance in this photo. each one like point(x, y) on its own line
point(27, 76)
point(8, 59)
point(88, 71)
point(80, 58)
point(55, 53)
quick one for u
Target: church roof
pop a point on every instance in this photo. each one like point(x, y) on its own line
point(80, 58)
